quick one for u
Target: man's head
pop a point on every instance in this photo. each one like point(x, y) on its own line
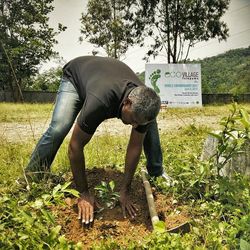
point(141, 106)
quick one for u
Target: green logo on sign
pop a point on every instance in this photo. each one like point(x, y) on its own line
point(154, 78)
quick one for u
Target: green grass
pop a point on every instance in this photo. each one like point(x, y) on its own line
point(11, 112)
point(221, 214)
point(12, 160)
point(208, 110)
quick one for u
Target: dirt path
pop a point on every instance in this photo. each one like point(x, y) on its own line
point(24, 131)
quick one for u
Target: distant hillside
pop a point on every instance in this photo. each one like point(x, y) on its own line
point(225, 73)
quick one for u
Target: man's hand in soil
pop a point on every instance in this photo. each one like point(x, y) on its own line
point(86, 204)
point(127, 205)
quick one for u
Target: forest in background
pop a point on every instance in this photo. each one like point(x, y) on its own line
point(227, 72)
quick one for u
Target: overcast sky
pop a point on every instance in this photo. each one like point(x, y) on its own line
point(69, 12)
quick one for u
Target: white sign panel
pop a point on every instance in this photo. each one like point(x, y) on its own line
point(178, 85)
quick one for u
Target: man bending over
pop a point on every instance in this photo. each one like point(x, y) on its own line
point(94, 89)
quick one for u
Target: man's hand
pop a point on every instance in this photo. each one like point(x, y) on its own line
point(86, 204)
point(127, 205)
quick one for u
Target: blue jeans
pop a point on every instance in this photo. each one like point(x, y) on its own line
point(152, 150)
point(68, 105)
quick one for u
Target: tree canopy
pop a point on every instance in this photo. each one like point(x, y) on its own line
point(177, 25)
point(106, 24)
point(173, 26)
point(25, 39)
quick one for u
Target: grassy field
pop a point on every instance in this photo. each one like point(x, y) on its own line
point(36, 112)
point(24, 112)
point(221, 207)
point(103, 150)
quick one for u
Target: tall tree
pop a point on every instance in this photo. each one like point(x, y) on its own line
point(106, 24)
point(25, 40)
point(177, 25)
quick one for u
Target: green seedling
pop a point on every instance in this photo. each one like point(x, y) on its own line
point(105, 191)
point(235, 134)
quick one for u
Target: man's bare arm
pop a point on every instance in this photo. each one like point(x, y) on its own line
point(131, 161)
point(76, 155)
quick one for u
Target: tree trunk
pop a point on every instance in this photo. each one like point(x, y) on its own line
point(115, 32)
point(14, 84)
point(175, 32)
point(10, 82)
point(168, 30)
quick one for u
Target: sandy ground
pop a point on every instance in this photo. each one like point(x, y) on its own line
point(28, 131)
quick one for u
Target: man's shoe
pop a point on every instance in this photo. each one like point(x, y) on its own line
point(167, 179)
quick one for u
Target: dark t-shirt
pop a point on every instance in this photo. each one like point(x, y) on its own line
point(102, 83)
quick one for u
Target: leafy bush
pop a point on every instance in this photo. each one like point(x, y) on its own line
point(49, 80)
point(235, 134)
point(27, 222)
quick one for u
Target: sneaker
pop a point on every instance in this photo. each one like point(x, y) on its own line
point(168, 180)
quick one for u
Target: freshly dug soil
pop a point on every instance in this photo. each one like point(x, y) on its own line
point(109, 223)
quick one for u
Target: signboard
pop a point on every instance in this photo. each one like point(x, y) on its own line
point(178, 85)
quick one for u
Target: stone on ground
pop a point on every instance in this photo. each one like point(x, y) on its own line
point(239, 162)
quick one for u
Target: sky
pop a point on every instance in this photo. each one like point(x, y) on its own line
point(68, 12)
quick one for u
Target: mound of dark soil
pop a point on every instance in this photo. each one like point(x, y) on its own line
point(109, 223)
